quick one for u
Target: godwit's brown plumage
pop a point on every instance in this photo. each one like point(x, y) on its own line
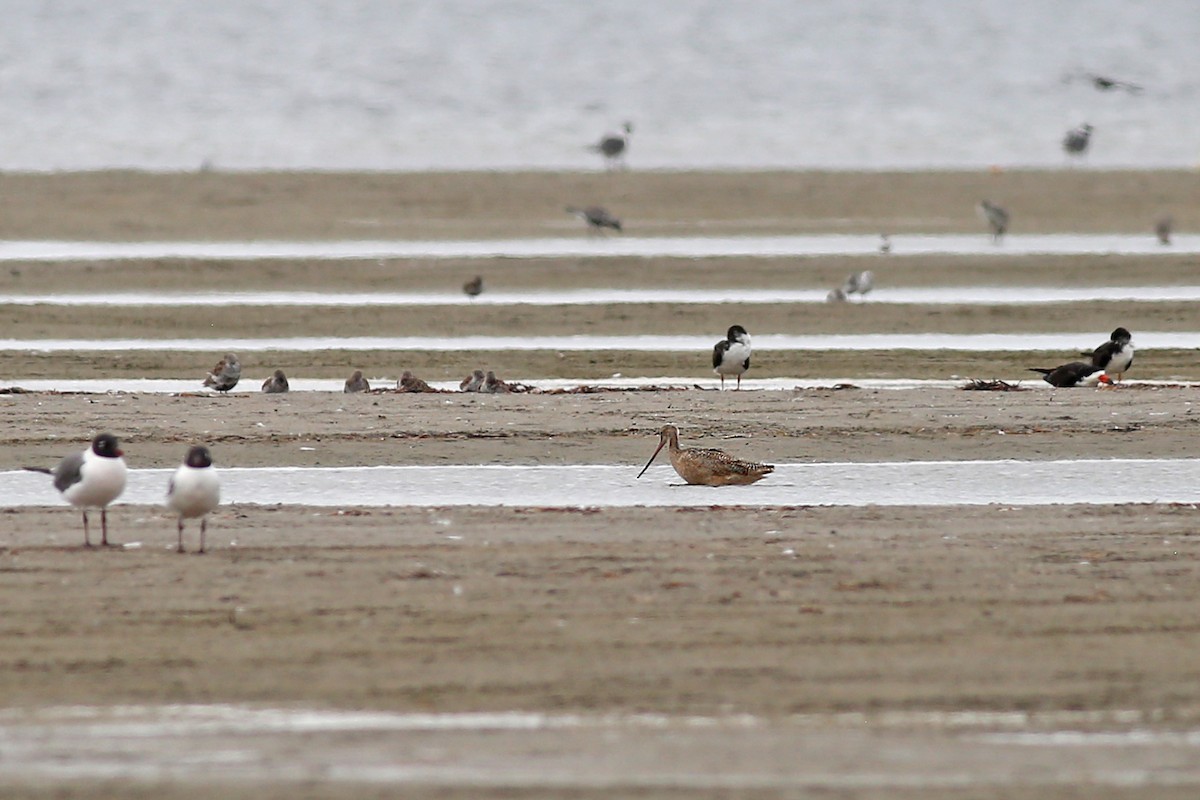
point(706, 466)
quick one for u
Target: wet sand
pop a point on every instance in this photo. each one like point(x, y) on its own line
point(715, 612)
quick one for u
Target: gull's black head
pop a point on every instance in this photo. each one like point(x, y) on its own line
point(198, 457)
point(1121, 336)
point(106, 446)
point(735, 334)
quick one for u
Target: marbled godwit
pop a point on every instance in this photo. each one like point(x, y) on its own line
point(731, 355)
point(1076, 142)
point(226, 374)
point(473, 382)
point(276, 384)
point(411, 383)
point(473, 287)
point(356, 383)
point(597, 217)
point(996, 218)
point(1077, 373)
point(1115, 356)
point(1162, 229)
point(613, 145)
point(91, 478)
point(704, 466)
point(194, 491)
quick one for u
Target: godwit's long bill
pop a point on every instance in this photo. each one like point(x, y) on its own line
point(706, 466)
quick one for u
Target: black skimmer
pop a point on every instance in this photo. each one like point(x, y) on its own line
point(356, 383)
point(859, 283)
point(276, 384)
point(731, 355)
point(91, 478)
point(1076, 142)
point(996, 218)
point(597, 217)
point(1115, 356)
point(194, 491)
point(1162, 229)
point(473, 382)
point(226, 374)
point(473, 287)
point(411, 383)
point(1077, 373)
point(613, 145)
point(1104, 83)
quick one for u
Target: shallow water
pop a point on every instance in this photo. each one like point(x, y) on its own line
point(983, 342)
point(940, 295)
point(487, 84)
point(607, 246)
point(936, 483)
point(562, 752)
point(174, 386)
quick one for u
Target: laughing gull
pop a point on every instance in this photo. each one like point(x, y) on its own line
point(91, 478)
point(1077, 373)
point(226, 374)
point(356, 383)
point(597, 217)
point(613, 145)
point(731, 356)
point(1076, 142)
point(194, 491)
point(996, 218)
point(859, 283)
point(276, 384)
point(1115, 356)
point(473, 287)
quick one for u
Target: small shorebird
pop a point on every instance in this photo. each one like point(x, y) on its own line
point(1115, 356)
point(194, 491)
point(91, 478)
point(473, 287)
point(356, 383)
point(731, 355)
point(1162, 229)
point(226, 374)
point(859, 283)
point(473, 382)
point(493, 385)
point(885, 244)
point(704, 466)
point(996, 218)
point(837, 295)
point(1076, 142)
point(411, 383)
point(1104, 83)
point(613, 145)
point(1077, 373)
point(276, 384)
point(597, 217)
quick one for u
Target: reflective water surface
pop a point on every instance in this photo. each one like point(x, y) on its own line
point(611, 246)
point(977, 342)
point(940, 295)
point(1091, 481)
